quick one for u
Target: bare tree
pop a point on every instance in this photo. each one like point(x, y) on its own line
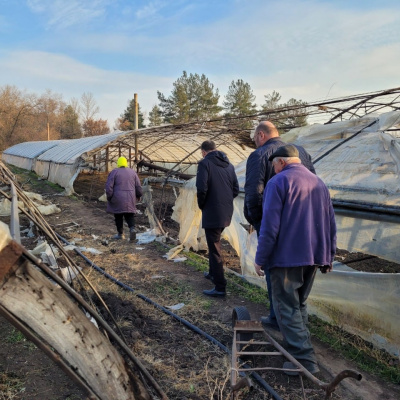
point(49, 115)
point(89, 109)
point(17, 110)
point(76, 107)
point(89, 106)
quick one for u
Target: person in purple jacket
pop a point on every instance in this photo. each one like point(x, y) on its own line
point(258, 172)
point(123, 190)
point(297, 235)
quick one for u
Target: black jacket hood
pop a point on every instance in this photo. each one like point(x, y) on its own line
point(218, 158)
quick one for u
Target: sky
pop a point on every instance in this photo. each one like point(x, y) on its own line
point(309, 50)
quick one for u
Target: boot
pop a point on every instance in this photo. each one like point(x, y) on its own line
point(119, 236)
point(132, 234)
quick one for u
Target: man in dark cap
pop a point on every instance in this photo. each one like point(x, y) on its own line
point(258, 172)
point(297, 235)
point(217, 186)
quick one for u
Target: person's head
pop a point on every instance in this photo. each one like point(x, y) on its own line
point(122, 162)
point(283, 156)
point(265, 130)
point(206, 147)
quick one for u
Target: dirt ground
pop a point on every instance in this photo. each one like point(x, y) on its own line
point(184, 363)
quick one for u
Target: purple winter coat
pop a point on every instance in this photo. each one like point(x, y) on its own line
point(298, 225)
point(122, 189)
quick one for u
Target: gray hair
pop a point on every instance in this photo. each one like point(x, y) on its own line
point(287, 160)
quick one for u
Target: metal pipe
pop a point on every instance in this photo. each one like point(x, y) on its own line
point(143, 163)
point(367, 215)
point(363, 206)
point(14, 221)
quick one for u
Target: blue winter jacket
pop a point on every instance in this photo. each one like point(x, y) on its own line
point(259, 171)
point(298, 225)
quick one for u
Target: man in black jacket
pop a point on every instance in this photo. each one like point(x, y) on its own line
point(258, 172)
point(217, 186)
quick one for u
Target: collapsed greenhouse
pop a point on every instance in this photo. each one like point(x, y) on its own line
point(354, 143)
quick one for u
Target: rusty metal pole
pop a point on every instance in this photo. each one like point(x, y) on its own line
point(14, 221)
point(136, 127)
point(107, 158)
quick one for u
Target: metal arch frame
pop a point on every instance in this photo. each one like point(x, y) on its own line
point(338, 108)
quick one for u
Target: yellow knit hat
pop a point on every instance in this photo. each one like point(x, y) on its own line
point(122, 162)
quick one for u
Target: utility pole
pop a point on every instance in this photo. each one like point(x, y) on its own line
point(136, 126)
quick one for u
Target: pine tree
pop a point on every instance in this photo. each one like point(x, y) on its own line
point(287, 118)
point(193, 98)
point(155, 117)
point(69, 126)
point(126, 122)
point(239, 100)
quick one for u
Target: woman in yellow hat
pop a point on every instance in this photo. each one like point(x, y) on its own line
point(123, 190)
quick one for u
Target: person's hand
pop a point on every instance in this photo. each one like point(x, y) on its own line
point(258, 269)
point(326, 268)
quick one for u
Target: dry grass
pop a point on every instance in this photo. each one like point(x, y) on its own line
point(10, 386)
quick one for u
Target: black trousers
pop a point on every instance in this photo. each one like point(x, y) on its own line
point(215, 259)
point(119, 221)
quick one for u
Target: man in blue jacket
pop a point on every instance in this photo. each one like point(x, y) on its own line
point(258, 172)
point(297, 235)
point(217, 186)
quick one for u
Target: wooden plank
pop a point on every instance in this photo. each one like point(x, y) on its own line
point(49, 312)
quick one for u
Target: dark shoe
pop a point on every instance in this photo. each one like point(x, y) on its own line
point(132, 234)
point(290, 365)
point(119, 236)
point(208, 276)
point(268, 322)
point(308, 365)
point(214, 293)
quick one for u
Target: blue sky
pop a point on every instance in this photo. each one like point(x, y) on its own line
point(309, 50)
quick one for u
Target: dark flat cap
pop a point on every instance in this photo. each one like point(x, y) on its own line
point(285, 151)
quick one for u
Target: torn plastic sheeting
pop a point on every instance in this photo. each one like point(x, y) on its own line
point(176, 306)
point(146, 237)
point(68, 273)
point(29, 231)
point(90, 250)
point(174, 251)
point(5, 236)
point(363, 303)
point(5, 208)
point(70, 247)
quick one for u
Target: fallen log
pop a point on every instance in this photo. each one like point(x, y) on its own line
point(29, 298)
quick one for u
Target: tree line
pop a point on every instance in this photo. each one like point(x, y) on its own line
point(25, 116)
point(29, 117)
